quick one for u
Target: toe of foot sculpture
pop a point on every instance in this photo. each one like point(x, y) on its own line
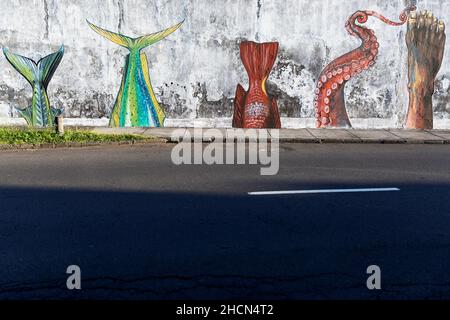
point(38, 74)
point(136, 104)
point(329, 101)
point(425, 39)
point(254, 109)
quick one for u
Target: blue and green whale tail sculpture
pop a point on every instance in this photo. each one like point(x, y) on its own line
point(40, 113)
point(136, 104)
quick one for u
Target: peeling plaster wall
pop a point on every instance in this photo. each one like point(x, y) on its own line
point(195, 71)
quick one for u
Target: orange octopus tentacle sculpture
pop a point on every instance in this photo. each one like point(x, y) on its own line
point(329, 101)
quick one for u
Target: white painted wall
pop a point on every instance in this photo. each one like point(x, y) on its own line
point(195, 71)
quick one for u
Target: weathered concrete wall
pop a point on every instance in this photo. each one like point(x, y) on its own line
point(196, 70)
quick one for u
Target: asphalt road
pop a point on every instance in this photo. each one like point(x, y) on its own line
point(142, 228)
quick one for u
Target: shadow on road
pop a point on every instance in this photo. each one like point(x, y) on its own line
point(133, 245)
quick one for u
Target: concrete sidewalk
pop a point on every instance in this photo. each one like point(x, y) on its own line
point(388, 136)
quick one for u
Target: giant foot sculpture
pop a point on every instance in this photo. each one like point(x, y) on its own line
point(40, 113)
point(329, 101)
point(136, 104)
point(426, 44)
point(254, 109)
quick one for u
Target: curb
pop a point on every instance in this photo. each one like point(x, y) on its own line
point(362, 141)
point(165, 140)
point(317, 136)
point(321, 141)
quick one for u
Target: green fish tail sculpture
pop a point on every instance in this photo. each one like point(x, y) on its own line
point(40, 113)
point(136, 104)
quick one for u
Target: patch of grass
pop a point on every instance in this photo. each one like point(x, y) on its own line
point(21, 136)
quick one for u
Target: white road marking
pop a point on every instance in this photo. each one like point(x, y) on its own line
point(272, 193)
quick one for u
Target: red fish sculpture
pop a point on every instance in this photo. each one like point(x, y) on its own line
point(329, 100)
point(254, 109)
